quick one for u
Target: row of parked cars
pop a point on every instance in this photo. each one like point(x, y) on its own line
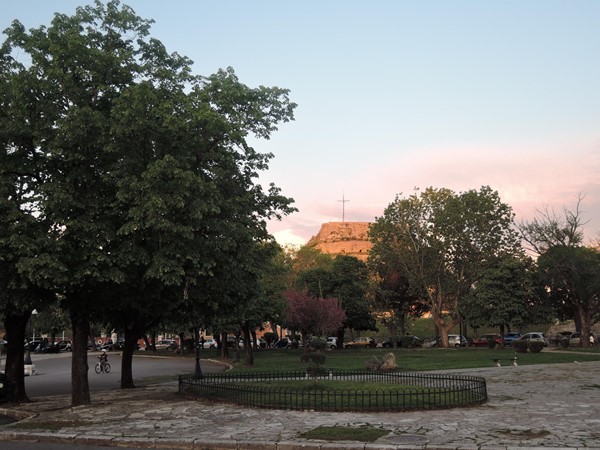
point(44, 346)
point(496, 340)
point(567, 339)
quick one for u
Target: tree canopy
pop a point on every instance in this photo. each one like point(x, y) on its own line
point(442, 241)
point(145, 181)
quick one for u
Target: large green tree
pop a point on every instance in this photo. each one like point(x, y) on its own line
point(347, 279)
point(150, 181)
point(442, 241)
point(505, 295)
point(571, 275)
point(23, 225)
point(568, 271)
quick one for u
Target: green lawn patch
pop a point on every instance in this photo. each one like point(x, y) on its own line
point(51, 425)
point(364, 433)
point(421, 359)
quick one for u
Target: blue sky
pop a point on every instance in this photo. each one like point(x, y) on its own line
point(394, 95)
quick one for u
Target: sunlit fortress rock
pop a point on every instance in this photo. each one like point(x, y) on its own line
point(347, 238)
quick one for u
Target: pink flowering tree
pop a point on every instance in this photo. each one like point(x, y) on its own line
point(312, 315)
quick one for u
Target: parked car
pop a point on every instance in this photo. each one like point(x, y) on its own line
point(46, 347)
point(575, 339)
point(484, 341)
point(509, 337)
point(402, 341)
point(560, 339)
point(166, 344)
point(259, 343)
point(64, 346)
point(362, 342)
point(231, 341)
point(332, 342)
point(209, 343)
point(283, 343)
point(454, 340)
point(32, 345)
point(535, 336)
point(108, 346)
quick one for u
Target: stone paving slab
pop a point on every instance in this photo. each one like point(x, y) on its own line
point(535, 407)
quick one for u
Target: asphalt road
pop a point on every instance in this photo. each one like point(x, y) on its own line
point(53, 371)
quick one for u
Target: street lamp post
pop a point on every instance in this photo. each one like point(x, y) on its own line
point(33, 315)
point(198, 369)
point(27, 360)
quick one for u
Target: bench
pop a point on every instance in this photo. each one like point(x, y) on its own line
point(497, 361)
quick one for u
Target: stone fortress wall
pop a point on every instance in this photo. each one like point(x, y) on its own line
point(343, 238)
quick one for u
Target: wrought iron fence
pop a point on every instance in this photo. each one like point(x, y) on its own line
point(402, 390)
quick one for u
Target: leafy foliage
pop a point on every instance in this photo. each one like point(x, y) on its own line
point(143, 174)
point(505, 295)
point(312, 315)
point(441, 242)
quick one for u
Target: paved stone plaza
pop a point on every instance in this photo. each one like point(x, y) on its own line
point(543, 406)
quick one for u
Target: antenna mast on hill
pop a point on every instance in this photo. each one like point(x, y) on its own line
point(343, 200)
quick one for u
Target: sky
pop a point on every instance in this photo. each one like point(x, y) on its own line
point(395, 95)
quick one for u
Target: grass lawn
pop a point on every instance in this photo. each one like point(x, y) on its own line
point(365, 433)
point(421, 359)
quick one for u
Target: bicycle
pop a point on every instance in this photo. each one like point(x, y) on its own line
point(102, 367)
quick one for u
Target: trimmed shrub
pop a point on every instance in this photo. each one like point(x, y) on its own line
point(519, 346)
point(535, 346)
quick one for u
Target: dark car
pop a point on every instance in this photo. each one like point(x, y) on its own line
point(108, 346)
point(46, 347)
point(33, 344)
point(402, 341)
point(488, 340)
point(64, 346)
point(283, 343)
point(509, 337)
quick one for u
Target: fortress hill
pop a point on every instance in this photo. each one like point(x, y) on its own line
point(343, 238)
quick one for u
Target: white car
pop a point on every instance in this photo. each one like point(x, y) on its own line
point(332, 342)
point(454, 340)
point(209, 343)
point(166, 344)
point(534, 336)
point(575, 339)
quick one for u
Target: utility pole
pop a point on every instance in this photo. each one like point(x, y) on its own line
point(343, 200)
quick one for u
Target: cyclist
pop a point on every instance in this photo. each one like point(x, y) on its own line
point(103, 359)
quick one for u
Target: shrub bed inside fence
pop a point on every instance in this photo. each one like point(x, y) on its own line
point(339, 390)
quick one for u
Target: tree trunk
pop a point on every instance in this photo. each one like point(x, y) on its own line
point(181, 348)
point(585, 321)
point(443, 327)
point(236, 347)
point(248, 345)
point(224, 346)
point(153, 341)
point(129, 346)
point(340, 338)
point(80, 388)
point(304, 340)
point(15, 325)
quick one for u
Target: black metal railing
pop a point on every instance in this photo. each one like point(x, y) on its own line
point(403, 390)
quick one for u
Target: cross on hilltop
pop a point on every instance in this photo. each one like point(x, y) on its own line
point(343, 200)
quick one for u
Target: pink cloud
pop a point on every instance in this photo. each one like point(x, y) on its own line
point(528, 177)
